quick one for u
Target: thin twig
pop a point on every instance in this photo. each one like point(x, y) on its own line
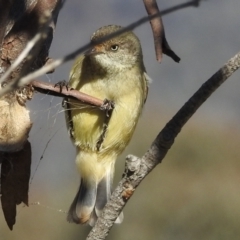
point(157, 27)
point(160, 41)
point(51, 89)
point(193, 3)
point(49, 67)
point(138, 169)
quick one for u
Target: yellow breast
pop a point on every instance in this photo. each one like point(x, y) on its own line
point(127, 92)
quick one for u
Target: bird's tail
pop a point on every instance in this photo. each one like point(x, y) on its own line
point(91, 199)
point(83, 204)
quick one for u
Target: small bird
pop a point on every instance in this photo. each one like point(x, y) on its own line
point(112, 70)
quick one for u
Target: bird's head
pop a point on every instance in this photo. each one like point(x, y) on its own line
point(122, 51)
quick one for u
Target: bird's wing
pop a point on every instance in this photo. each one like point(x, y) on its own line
point(75, 73)
point(147, 80)
point(74, 79)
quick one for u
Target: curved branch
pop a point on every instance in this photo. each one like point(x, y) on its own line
point(160, 41)
point(157, 27)
point(137, 169)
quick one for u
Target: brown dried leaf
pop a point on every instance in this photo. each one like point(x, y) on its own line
point(15, 175)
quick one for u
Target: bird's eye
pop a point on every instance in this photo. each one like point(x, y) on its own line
point(114, 47)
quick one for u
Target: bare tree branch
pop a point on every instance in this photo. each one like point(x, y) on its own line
point(157, 27)
point(137, 169)
point(51, 89)
point(160, 41)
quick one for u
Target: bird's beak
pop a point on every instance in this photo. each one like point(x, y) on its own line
point(94, 51)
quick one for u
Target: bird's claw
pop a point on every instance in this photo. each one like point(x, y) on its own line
point(62, 84)
point(107, 106)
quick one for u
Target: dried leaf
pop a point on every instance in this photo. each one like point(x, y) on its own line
point(15, 175)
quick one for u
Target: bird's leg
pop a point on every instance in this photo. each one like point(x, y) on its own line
point(108, 107)
point(66, 105)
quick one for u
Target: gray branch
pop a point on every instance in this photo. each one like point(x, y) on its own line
point(137, 169)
